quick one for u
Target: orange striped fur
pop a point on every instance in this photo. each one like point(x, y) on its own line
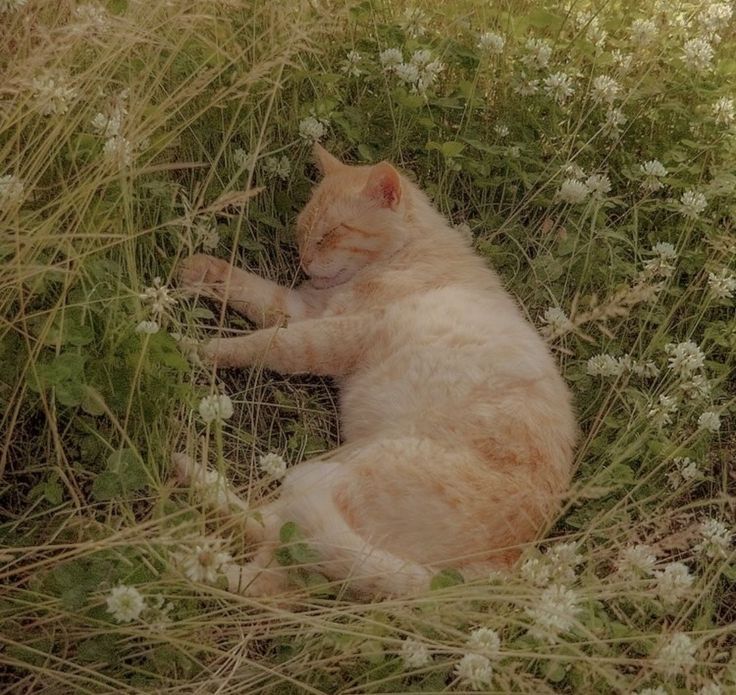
point(458, 429)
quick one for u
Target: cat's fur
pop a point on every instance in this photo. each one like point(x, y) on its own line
point(458, 429)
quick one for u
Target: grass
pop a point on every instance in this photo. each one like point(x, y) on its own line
point(195, 100)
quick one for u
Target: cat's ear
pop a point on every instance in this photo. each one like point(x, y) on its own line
point(326, 163)
point(384, 185)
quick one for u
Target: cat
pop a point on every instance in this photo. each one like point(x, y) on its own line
point(458, 428)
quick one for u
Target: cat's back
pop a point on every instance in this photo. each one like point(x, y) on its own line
point(447, 348)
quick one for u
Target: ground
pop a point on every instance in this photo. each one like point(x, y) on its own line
point(588, 150)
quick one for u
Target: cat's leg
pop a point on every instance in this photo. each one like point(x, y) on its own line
point(215, 489)
point(262, 576)
point(262, 301)
point(219, 494)
point(325, 346)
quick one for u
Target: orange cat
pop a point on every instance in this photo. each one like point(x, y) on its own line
point(458, 429)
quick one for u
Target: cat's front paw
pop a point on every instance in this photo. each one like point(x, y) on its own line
point(211, 353)
point(201, 272)
point(228, 352)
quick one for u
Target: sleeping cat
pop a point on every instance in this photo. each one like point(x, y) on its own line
point(458, 429)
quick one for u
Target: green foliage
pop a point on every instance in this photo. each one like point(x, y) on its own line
point(92, 404)
point(124, 474)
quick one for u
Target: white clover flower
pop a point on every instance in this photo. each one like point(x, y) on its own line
point(413, 22)
point(428, 75)
point(205, 561)
point(558, 86)
point(158, 297)
point(421, 57)
point(11, 5)
point(213, 487)
point(112, 125)
point(216, 407)
point(415, 654)
point(573, 191)
point(684, 358)
point(526, 87)
point(684, 471)
point(205, 234)
point(536, 571)
point(599, 185)
point(715, 17)
point(622, 60)
point(573, 170)
point(722, 284)
point(312, 129)
point(661, 413)
point(491, 42)
point(593, 31)
point(676, 655)
point(673, 582)
point(615, 118)
point(273, 465)
point(407, 72)
point(52, 93)
point(12, 191)
point(279, 167)
point(486, 641)
point(643, 32)
point(723, 110)
point(692, 203)
point(645, 370)
point(710, 689)
point(664, 250)
point(661, 265)
point(243, 159)
point(604, 365)
point(125, 603)
point(605, 89)
point(637, 560)
point(352, 61)
point(475, 671)
point(147, 327)
point(538, 53)
point(501, 130)
point(119, 151)
point(94, 16)
point(556, 321)
point(682, 20)
point(390, 58)
point(715, 538)
point(554, 612)
point(563, 559)
point(696, 387)
point(697, 54)
point(709, 421)
point(653, 170)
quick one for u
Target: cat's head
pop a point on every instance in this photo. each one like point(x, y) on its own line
point(354, 217)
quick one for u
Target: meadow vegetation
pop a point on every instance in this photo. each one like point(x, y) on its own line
point(589, 151)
